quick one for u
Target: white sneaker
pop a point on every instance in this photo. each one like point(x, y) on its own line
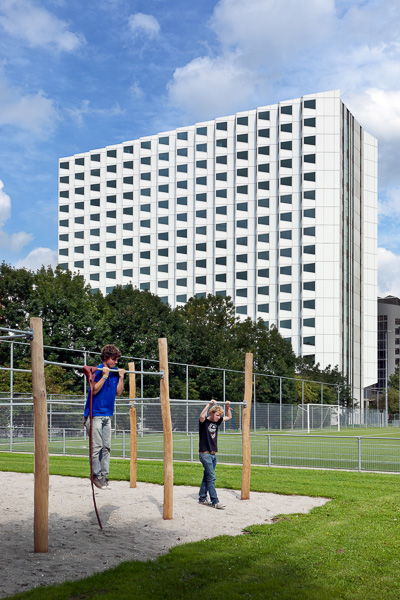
point(99, 483)
point(219, 505)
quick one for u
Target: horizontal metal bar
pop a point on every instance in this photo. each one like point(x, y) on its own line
point(13, 369)
point(28, 333)
point(178, 401)
point(50, 362)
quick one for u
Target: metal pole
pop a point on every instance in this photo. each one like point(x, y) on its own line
point(386, 380)
point(254, 409)
point(302, 403)
point(187, 382)
point(11, 395)
point(224, 384)
point(280, 403)
point(84, 379)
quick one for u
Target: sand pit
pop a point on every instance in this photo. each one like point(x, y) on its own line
point(133, 527)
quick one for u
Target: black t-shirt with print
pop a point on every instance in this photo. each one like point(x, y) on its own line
point(208, 435)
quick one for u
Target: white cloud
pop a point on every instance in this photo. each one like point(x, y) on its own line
point(390, 206)
point(142, 24)
point(37, 258)
point(378, 110)
point(388, 273)
point(36, 26)
point(31, 112)
point(15, 241)
point(85, 109)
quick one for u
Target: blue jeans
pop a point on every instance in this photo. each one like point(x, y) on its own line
point(101, 445)
point(209, 462)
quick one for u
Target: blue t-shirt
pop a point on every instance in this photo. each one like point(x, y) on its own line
point(104, 400)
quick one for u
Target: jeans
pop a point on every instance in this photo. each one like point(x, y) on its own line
point(101, 445)
point(209, 462)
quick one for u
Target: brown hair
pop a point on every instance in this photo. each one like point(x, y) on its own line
point(216, 408)
point(110, 351)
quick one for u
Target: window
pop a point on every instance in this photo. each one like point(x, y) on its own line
point(79, 220)
point(285, 270)
point(241, 258)
point(182, 135)
point(64, 194)
point(221, 227)
point(164, 141)
point(145, 286)
point(64, 208)
point(309, 304)
point(263, 168)
point(242, 172)
point(221, 160)
point(145, 207)
point(220, 176)
point(201, 263)
point(264, 115)
point(182, 168)
point(95, 232)
point(81, 190)
point(222, 143)
point(309, 249)
point(243, 155)
point(95, 277)
point(145, 160)
point(63, 251)
point(263, 133)
point(95, 247)
point(111, 259)
point(263, 290)
point(285, 252)
point(95, 172)
point(202, 280)
point(181, 185)
point(65, 165)
point(181, 298)
point(163, 172)
point(163, 236)
point(163, 284)
point(80, 161)
point(164, 187)
point(201, 197)
point(263, 185)
point(163, 252)
point(243, 189)
point(263, 150)
point(111, 169)
point(263, 255)
point(95, 202)
point(242, 293)
point(201, 230)
point(221, 193)
point(129, 226)
point(112, 153)
point(242, 120)
point(241, 241)
point(286, 145)
point(79, 249)
point(263, 220)
point(242, 224)
point(309, 231)
point(128, 149)
point(309, 103)
point(309, 158)
point(220, 260)
point(145, 239)
point(287, 163)
point(221, 210)
point(263, 272)
point(220, 244)
point(310, 140)
point(163, 204)
point(309, 285)
point(263, 308)
point(286, 288)
point(202, 247)
point(182, 266)
point(241, 310)
point(287, 324)
point(127, 195)
point(242, 137)
point(242, 206)
point(222, 125)
point(201, 147)
point(165, 155)
point(129, 241)
point(65, 179)
point(309, 341)
point(128, 210)
point(309, 212)
point(111, 229)
point(309, 322)
point(95, 262)
point(182, 200)
point(163, 220)
point(112, 214)
point(129, 257)
point(201, 214)
point(309, 267)
point(286, 199)
point(181, 233)
point(285, 306)
point(146, 145)
point(145, 192)
point(286, 216)
point(201, 130)
point(286, 110)
point(287, 127)
point(181, 152)
point(241, 275)
point(64, 237)
point(310, 122)
point(201, 180)
point(309, 194)
point(309, 176)
point(181, 249)
point(162, 268)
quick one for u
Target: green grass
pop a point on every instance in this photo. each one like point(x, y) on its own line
point(347, 549)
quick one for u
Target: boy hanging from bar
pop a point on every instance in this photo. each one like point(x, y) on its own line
point(108, 383)
point(208, 448)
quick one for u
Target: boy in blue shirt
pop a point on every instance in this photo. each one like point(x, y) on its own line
point(108, 383)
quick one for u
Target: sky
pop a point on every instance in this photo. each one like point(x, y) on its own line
point(76, 76)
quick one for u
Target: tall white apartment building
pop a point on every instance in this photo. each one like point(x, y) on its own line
point(275, 207)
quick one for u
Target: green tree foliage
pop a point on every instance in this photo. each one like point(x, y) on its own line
point(331, 377)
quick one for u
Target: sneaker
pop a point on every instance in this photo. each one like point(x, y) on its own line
point(205, 502)
point(100, 483)
point(107, 483)
point(219, 505)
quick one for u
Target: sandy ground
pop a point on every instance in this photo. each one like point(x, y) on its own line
point(133, 527)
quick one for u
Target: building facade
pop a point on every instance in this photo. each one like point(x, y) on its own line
point(388, 338)
point(275, 207)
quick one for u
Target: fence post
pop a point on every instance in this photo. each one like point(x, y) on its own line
point(191, 447)
point(280, 403)
point(248, 379)
point(133, 426)
point(167, 428)
point(41, 459)
point(64, 441)
point(123, 443)
point(11, 395)
point(269, 450)
point(359, 453)
point(254, 405)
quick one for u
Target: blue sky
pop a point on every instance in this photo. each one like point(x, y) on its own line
point(76, 76)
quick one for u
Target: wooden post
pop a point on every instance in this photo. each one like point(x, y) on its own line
point(248, 379)
point(167, 428)
point(41, 445)
point(132, 415)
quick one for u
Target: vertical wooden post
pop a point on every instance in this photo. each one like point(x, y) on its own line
point(132, 415)
point(41, 444)
point(248, 379)
point(167, 428)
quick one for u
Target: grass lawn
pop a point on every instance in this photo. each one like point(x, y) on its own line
point(347, 549)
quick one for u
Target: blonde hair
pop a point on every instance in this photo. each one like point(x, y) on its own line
point(216, 408)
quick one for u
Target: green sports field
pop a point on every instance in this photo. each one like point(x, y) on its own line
point(372, 449)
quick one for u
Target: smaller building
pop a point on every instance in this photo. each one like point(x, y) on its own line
point(388, 338)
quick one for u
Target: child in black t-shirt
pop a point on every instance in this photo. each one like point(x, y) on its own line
point(208, 448)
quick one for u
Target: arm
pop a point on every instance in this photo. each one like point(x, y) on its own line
point(99, 384)
point(120, 386)
point(228, 411)
point(204, 412)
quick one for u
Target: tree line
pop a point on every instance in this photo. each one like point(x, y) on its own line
point(204, 332)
